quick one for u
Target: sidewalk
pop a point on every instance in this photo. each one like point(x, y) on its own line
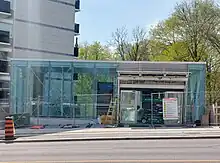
point(21, 132)
point(95, 134)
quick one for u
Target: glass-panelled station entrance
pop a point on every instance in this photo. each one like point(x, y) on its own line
point(84, 89)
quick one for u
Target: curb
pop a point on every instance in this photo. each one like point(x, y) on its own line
point(109, 139)
point(19, 136)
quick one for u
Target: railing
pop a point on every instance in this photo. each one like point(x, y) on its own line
point(216, 111)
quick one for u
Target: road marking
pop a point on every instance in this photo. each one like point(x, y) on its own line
point(120, 161)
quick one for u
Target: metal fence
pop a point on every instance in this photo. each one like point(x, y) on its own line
point(149, 110)
point(164, 108)
point(170, 108)
point(83, 108)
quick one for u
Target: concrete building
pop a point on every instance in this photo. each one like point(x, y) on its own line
point(44, 28)
point(6, 42)
point(83, 89)
point(35, 29)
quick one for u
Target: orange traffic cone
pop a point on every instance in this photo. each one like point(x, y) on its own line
point(9, 128)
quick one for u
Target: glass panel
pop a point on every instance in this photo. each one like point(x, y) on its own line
point(20, 96)
point(196, 89)
point(106, 86)
point(37, 85)
point(128, 98)
point(38, 63)
point(128, 115)
point(56, 92)
point(84, 88)
point(128, 107)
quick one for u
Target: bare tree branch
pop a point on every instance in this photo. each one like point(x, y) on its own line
point(139, 41)
point(134, 49)
point(120, 39)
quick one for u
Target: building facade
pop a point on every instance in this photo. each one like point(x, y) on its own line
point(6, 42)
point(44, 28)
point(35, 29)
point(84, 89)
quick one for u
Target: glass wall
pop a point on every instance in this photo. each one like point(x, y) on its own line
point(59, 89)
point(73, 89)
point(196, 91)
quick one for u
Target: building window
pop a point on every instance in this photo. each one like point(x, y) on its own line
point(3, 66)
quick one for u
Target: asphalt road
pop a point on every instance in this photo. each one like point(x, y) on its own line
point(113, 151)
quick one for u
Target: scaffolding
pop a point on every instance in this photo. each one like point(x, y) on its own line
point(67, 89)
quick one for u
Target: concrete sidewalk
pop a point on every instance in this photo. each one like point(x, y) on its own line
point(29, 132)
point(21, 132)
point(95, 134)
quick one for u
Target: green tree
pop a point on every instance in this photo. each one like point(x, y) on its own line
point(95, 51)
point(86, 79)
point(191, 34)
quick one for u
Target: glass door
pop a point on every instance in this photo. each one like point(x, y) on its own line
point(128, 106)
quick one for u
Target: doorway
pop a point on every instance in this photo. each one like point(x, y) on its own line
point(144, 106)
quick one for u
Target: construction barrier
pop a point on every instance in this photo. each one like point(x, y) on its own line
point(9, 128)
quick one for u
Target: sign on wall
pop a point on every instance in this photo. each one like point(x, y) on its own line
point(170, 109)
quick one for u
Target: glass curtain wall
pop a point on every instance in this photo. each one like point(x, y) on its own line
point(59, 89)
point(196, 92)
point(72, 89)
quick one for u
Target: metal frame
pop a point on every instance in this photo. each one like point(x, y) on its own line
point(154, 72)
point(168, 92)
point(135, 107)
point(128, 75)
point(153, 78)
point(96, 61)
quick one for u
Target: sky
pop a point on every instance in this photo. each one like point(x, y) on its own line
point(99, 18)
